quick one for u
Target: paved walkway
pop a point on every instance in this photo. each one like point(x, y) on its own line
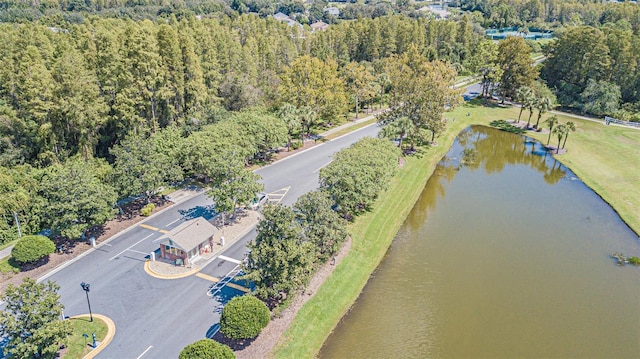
point(6, 252)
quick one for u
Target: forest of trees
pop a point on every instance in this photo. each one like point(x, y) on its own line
point(121, 107)
point(128, 106)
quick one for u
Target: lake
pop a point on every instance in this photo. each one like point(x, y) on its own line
point(505, 255)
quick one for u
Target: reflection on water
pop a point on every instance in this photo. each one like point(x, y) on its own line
point(503, 256)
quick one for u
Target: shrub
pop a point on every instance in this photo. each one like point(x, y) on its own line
point(244, 317)
point(634, 260)
point(31, 248)
point(146, 210)
point(206, 349)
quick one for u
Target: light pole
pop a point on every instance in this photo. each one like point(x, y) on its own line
point(85, 287)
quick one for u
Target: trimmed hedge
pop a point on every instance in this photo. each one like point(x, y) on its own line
point(146, 210)
point(206, 349)
point(31, 248)
point(244, 317)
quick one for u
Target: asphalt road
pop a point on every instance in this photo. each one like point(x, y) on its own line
point(156, 318)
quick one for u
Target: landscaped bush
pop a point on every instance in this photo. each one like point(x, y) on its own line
point(146, 210)
point(206, 349)
point(244, 317)
point(634, 260)
point(31, 248)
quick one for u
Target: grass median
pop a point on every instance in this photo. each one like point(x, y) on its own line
point(606, 158)
point(79, 345)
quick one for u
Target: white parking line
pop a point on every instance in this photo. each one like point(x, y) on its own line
point(144, 352)
point(323, 166)
point(232, 260)
point(133, 245)
point(168, 224)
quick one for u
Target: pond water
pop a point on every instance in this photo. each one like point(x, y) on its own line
point(505, 255)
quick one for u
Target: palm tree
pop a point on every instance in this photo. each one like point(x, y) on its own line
point(383, 82)
point(551, 121)
point(523, 95)
point(544, 104)
point(398, 129)
point(289, 114)
point(531, 103)
point(571, 127)
point(560, 131)
point(308, 117)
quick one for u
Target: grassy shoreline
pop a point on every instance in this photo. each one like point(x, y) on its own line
point(589, 157)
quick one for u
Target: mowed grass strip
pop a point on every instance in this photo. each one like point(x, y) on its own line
point(606, 158)
point(78, 347)
point(371, 234)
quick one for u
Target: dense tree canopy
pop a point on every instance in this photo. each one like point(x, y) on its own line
point(280, 261)
point(31, 320)
point(358, 174)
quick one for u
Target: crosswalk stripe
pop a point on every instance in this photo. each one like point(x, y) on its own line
point(207, 277)
point(238, 287)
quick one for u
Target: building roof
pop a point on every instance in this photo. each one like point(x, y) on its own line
point(332, 10)
point(190, 234)
point(320, 25)
point(281, 17)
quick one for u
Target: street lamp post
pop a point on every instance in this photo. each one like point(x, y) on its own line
point(85, 287)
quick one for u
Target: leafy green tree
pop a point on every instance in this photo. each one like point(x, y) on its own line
point(421, 91)
point(516, 64)
point(308, 81)
point(232, 184)
point(551, 122)
point(600, 98)
point(244, 317)
point(578, 55)
point(144, 163)
point(265, 130)
point(32, 248)
point(70, 211)
point(321, 225)
point(358, 174)
point(14, 198)
point(31, 320)
point(359, 82)
point(206, 349)
point(280, 261)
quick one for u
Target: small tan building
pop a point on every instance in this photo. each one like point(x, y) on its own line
point(319, 26)
point(184, 243)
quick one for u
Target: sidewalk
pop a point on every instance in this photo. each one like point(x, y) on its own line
point(6, 252)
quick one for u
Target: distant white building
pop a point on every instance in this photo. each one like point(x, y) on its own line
point(332, 11)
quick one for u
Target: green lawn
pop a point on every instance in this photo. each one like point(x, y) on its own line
point(9, 265)
point(607, 158)
point(78, 347)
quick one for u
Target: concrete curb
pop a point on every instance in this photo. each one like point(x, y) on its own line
point(101, 244)
point(151, 272)
point(111, 332)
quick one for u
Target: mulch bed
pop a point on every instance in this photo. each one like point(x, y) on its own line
point(68, 249)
